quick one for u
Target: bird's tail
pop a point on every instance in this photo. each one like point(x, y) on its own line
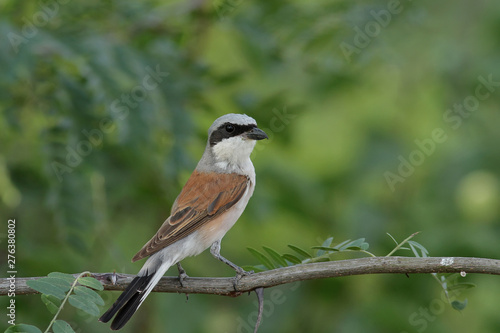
point(130, 300)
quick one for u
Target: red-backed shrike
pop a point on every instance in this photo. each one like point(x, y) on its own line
point(210, 203)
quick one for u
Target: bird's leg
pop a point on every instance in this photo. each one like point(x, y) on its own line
point(182, 274)
point(215, 251)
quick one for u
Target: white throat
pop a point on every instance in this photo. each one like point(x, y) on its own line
point(233, 155)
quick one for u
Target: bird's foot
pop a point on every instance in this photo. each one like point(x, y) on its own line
point(182, 275)
point(239, 274)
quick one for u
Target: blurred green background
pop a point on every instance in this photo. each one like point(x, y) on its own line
point(93, 153)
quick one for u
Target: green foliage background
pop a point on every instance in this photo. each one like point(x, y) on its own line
point(349, 121)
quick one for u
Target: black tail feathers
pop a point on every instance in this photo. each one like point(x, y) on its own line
point(128, 302)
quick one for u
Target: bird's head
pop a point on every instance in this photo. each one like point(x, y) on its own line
point(231, 139)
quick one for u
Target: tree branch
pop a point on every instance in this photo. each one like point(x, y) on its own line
point(275, 277)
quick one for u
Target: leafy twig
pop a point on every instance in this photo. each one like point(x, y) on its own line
point(65, 300)
point(57, 289)
point(402, 243)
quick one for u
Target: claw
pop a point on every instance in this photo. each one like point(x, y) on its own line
point(239, 274)
point(182, 274)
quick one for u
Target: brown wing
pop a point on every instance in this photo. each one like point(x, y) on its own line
point(205, 196)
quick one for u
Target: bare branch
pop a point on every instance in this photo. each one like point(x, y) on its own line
point(267, 279)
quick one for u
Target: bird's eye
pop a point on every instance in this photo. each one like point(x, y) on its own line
point(229, 128)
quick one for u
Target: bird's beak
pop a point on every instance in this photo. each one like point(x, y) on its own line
point(256, 134)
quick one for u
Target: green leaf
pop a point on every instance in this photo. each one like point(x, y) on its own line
point(325, 249)
point(256, 269)
point(276, 256)
point(292, 259)
point(320, 259)
point(91, 282)
point(414, 246)
point(52, 303)
point(89, 294)
point(355, 243)
point(348, 245)
point(395, 241)
point(462, 286)
point(414, 250)
point(60, 326)
point(450, 276)
point(84, 304)
point(341, 245)
point(457, 305)
point(61, 283)
point(262, 258)
point(63, 276)
point(50, 286)
point(23, 328)
point(300, 251)
point(326, 244)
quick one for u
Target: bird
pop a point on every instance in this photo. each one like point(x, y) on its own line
point(209, 204)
